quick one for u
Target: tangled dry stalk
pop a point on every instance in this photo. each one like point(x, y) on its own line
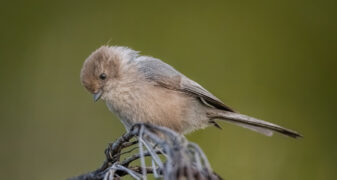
point(170, 154)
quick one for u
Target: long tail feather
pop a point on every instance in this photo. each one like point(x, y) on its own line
point(251, 123)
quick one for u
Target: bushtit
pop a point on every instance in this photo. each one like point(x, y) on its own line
point(143, 89)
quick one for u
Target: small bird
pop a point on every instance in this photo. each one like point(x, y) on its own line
point(143, 89)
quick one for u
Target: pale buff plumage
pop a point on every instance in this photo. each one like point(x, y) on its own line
point(142, 89)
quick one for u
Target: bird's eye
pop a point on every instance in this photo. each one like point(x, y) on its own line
point(102, 76)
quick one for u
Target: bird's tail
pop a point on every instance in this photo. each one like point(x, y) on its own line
point(251, 123)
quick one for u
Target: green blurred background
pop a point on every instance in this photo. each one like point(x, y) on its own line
point(275, 60)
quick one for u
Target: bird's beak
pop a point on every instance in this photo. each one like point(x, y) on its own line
point(97, 95)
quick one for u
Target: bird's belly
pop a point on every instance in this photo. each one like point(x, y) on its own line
point(158, 106)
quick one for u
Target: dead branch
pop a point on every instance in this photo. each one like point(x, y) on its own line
point(171, 155)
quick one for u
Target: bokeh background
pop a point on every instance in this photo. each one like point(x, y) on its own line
point(275, 60)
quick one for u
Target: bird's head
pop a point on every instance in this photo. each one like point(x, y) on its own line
point(103, 68)
point(99, 70)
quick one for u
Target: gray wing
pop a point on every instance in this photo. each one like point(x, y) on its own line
point(168, 77)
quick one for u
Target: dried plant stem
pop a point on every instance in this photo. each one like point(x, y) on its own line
point(180, 158)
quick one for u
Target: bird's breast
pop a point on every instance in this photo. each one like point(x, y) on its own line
point(147, 103)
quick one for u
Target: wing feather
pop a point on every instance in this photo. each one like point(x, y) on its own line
point(165, 75)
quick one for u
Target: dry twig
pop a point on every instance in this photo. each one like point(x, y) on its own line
point(179, 159)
